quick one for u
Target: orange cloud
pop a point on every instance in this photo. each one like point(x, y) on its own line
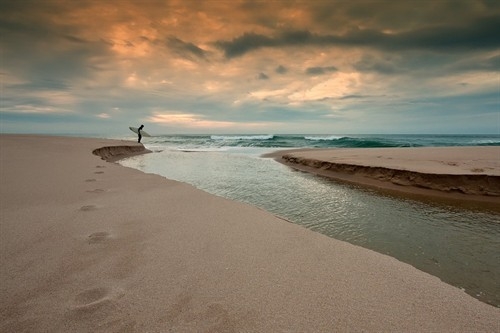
point(189, 120)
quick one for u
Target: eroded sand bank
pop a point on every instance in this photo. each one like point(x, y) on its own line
point(92, 246)
point(462, 173)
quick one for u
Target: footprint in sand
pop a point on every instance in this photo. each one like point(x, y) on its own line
point(91, 296)
point(97, 190)
point(88, 208)
point(96, 298)
point(99, 172)
point(100, 166)
point(99, 237)
point(90, 301)
point(90, 180)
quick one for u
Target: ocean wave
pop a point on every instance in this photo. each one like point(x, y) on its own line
point(242, 137)
point(211, 142)
point(201, 150)
point(324, 138)
point(490, 142)
point(371, 142)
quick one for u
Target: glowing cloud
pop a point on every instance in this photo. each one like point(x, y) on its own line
point(339, 85)
point(194, 121)
point(187, 120)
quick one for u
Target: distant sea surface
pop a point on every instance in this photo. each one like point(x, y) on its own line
point(321, 141)
point(460, 245)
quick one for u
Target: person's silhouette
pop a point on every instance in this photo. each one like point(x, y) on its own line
point(139, 133)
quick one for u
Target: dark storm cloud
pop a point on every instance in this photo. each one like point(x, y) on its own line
point(426, 64)
point(31, 20)
point(478, 34)
point(41, 85)
point(320, 70)
point(481, 33)
point(11, 29)
point(281, 69)
point(263, 76)
point(75, 39)
point(65, 63)
point(185, 49)
point(251, 41)
point(52, 52)
point(246, 43)
point(387, 65)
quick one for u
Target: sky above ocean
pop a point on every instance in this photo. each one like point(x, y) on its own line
point(273, 67)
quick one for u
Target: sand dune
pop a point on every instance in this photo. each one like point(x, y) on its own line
point(91, 246)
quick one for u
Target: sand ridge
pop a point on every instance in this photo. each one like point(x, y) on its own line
point(466, 174)
point(114, 153)
point(124, 251)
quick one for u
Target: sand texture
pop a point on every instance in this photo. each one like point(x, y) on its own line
point(467, 173)
point(91, 246)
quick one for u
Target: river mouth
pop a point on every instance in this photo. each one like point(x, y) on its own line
point(458, 245)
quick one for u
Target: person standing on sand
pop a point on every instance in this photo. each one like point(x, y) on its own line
point(139, 133)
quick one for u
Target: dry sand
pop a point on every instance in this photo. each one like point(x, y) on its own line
point(458, 173)
point(91, 246)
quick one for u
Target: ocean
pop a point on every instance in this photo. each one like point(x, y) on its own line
point(221, 142)
point(460, 245)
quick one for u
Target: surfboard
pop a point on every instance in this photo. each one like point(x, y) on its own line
point(136, 131)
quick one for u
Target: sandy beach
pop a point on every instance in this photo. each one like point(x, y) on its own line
point(90, 246)
point(458, 173)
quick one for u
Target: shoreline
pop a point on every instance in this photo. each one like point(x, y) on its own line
point(443, 173)
point(94, 246)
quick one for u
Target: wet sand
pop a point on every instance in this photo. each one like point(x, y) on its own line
point(89, 245)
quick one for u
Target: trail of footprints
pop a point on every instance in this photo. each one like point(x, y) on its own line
point(99, 299)
point(97, 190)
point(88, 208)
point(98, 236)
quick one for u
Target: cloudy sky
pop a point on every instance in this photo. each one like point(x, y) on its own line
point(272, 67)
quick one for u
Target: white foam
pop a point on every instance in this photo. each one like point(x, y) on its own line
point(323, 138)
point(197, 150)
point(486, 141)
point(242, 137)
